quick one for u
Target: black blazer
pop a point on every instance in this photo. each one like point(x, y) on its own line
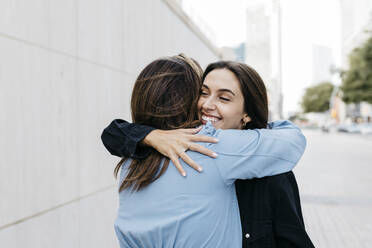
point(270, 208)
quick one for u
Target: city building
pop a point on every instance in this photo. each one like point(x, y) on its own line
point(322, 64)
point(263, 49)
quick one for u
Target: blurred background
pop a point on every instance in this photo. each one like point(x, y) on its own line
point(67, 69)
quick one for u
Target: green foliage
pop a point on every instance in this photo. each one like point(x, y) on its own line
point(317, 98)
point(357, 81)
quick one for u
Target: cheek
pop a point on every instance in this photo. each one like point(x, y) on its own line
point(227, 115)
point(232, 113)
point(230, 110)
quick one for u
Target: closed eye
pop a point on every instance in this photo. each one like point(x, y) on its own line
point(224, 99)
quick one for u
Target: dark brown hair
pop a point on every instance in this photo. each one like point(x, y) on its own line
point(253, 88)
point(165, 96)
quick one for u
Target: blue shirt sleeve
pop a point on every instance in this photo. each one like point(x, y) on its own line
point(246, 154)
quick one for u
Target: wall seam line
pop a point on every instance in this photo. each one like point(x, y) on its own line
point(56, 207)
point(33, 44)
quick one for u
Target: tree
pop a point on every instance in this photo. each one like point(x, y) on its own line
point(357, 81)
point(317, 98)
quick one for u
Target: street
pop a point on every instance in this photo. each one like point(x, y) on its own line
point(335, 182)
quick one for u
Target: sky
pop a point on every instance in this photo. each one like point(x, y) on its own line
point(304, 23)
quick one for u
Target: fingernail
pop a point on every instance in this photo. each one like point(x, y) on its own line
point(184, 174)
point(200, 169)
point(216, 140)
point(214, 155)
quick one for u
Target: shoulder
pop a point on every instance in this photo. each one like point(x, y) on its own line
point(228, 134)
point(124, 168)
point(238, 142)
point(235, 135)
point(230, 140)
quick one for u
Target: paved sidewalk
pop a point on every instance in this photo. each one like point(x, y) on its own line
point(335, 180)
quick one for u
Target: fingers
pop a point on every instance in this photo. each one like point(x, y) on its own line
point(203, 138)
point(190, 162)
point(177, 163)
point(191, 130)
point(202, 149)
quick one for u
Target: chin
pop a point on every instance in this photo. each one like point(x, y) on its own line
point(217, 125)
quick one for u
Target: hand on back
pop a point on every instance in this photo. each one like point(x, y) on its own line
point(174, 144)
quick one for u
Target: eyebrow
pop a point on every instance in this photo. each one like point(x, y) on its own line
point(223, 90)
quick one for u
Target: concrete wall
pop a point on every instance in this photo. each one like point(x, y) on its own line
point(66, 70)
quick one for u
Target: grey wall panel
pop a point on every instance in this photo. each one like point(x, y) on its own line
point(100, 31)
point(47, 23)
point(67, 69)
point(39, 141)
point(103, 95)
point(80, 224)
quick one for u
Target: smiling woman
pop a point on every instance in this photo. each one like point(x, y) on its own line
point(221, 100)
point(233, 96)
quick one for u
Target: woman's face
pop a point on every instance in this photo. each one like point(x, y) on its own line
point(221, 100)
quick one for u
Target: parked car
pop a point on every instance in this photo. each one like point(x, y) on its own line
point(365, 128)
point(348, 128)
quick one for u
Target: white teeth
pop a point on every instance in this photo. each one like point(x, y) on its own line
point(208, 118)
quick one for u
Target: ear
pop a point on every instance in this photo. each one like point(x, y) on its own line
point(246, 119)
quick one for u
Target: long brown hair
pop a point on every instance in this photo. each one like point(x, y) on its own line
point(253, 89)
point(165, 96)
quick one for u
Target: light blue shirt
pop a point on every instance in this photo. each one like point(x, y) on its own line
point(201, 209)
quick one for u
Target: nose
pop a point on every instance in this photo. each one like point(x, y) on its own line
point(209, 104)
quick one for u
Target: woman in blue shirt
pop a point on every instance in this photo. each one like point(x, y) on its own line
point(159, 209)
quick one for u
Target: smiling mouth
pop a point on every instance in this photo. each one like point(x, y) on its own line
point(206, 118)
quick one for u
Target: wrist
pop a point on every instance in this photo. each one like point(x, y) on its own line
point(147, 141)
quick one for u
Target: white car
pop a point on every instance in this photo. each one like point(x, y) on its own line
point(365, 128)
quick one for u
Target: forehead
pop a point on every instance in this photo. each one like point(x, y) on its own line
point(222, 79)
